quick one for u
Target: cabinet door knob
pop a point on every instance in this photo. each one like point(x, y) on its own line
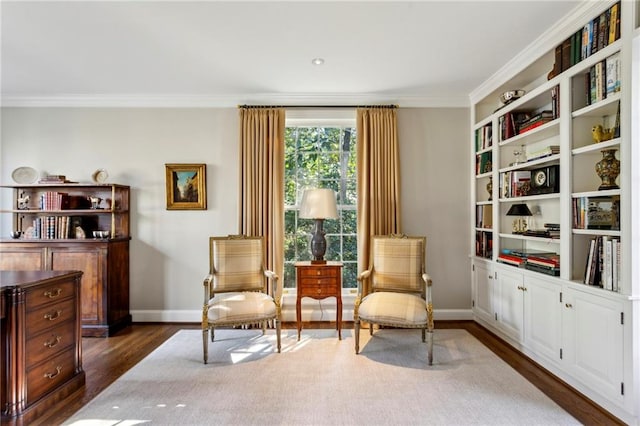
point(319, 290)
point(568, 305)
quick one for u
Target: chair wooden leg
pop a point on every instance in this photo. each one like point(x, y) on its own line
point(213, 335)
point(370, 329)
point(430, 347)
point(278, 330)
point(205, 345)
point(356, 331)
point(424, 331)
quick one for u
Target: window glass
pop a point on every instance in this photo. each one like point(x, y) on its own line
point(321, 157)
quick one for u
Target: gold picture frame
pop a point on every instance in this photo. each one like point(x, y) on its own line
point(186, 186)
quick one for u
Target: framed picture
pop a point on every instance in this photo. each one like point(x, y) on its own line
point(186, 186)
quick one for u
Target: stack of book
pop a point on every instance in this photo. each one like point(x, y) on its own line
point(546, 264)
point(553, 229)
point(53, 179)
point(603, 263)
point(545, 152)
point(52, 200)
point(594, 36)
point(511, 259)
point(535, 120)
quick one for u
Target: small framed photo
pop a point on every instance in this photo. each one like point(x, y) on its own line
point(186, 186)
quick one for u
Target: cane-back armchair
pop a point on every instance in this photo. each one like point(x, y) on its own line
point(399, 288)
point(238, 290)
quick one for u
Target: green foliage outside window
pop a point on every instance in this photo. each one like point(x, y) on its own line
point(321, 157)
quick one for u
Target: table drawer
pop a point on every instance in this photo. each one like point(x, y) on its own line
point(50, 343)
point(317, 290)
point(50, 316)
point(319, 271)
point(49, 375)
point(50, 293)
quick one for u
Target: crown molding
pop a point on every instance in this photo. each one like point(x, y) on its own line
point(228, 101)
point(560, 31)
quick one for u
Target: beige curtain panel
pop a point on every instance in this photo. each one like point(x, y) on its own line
point(262, 180)
point(378, 186)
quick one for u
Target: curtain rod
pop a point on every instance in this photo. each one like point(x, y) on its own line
point(317, 106)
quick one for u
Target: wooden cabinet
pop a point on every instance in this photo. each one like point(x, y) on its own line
point(41, 360)
point(103, 261)
point(319, 281)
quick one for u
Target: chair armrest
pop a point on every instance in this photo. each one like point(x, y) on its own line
point(274, 290)
point(364, 275)
point(427, 279)
point(208, 287)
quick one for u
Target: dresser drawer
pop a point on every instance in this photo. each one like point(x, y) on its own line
point(50, 294)
point(50, 343)
point(319, 271)
point(49, 375)
point(49, 316)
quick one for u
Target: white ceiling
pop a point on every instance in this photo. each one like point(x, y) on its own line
point(226, 53)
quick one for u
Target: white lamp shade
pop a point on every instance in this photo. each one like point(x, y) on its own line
point(318, 203)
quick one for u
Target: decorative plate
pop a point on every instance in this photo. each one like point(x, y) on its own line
point(24, 175)
point(100, 176)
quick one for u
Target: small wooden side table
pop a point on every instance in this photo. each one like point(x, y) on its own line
point(319, 281)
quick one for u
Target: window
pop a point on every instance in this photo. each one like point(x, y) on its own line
point(321, 156)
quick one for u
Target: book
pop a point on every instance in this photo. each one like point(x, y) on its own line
point(612, 73)
point(614, 23)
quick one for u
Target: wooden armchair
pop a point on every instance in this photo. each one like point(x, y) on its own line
point(400, 289)
point(236, 290)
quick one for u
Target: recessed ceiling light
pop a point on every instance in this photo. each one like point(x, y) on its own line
point(317, 61)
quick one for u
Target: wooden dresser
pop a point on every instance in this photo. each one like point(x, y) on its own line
point(41, 357)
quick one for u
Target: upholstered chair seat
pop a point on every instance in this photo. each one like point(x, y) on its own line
point(238, 290)
point(394, 309)
point(240, 306)
point(398, 290)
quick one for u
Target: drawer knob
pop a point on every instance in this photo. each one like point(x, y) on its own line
point(52, 294)
point(53, 316)
point(319, 290)
point(568, 305)
point(53, 342)
point(52, 375)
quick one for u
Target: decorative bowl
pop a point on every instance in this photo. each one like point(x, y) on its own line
point(511, 95)
point(100, 234)
point(15, 234)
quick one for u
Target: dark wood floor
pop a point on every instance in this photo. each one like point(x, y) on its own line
point(106, 359)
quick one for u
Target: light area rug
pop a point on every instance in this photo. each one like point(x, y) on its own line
point(319, 380)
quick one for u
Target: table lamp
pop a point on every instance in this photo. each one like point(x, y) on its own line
point(318, 204)
point(520, 223)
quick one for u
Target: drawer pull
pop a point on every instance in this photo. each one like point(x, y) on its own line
point(53, 342)
point(52, 375)
point(319, 290)
point(568, 305)
point(52, 294)
point(53, 316)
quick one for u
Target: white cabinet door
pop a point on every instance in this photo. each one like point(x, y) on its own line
point(509, 303)
point(543, 316)
point(593, 341)
point(483, 291)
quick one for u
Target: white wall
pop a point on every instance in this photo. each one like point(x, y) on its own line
point(169, 252)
